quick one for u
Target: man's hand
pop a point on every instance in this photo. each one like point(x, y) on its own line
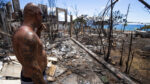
point(42, 27)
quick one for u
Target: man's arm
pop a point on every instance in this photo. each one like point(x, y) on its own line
point(38, 32)
point(29, 54)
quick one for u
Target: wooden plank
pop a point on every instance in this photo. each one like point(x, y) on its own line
point(60, 9)
point(51, 70)
point(113, 70)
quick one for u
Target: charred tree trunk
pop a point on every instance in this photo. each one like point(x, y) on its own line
point(71, 25)
point(128, 59)
point(103, 15)
point(110, 34)
point(131, 62)
point(123, 41)
point(102, 28)
point(101, 39)
point(104, 52)
point(145, 3)
point(122, 49)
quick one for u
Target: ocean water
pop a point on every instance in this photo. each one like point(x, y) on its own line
point(129, 27)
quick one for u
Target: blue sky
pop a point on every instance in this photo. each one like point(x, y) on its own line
point(138, 13)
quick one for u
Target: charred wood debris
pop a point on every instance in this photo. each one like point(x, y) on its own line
point(69, 61)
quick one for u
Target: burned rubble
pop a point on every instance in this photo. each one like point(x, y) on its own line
point(67, 63)
point(76, 52)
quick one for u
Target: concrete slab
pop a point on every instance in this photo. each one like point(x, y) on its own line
point(11, 70)
point(10, 82)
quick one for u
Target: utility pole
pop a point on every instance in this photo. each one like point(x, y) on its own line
point(110, 32)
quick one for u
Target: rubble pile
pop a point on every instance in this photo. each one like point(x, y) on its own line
point(75, 66)
point(67, 64)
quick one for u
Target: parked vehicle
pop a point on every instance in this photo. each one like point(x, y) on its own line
point(142, 33)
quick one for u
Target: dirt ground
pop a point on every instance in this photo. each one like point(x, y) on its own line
point(140, 68)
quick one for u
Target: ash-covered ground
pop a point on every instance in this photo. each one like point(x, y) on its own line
point(67, 64)
point(140, 67)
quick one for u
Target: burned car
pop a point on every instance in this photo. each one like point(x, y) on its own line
point(142, 33)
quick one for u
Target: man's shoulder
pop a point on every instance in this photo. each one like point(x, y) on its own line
point(24, 33)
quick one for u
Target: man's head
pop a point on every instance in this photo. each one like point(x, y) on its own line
point(33, 13)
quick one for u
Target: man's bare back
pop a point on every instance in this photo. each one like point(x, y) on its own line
point(29, 51)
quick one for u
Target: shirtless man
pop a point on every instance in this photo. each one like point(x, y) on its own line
point(28, 46)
